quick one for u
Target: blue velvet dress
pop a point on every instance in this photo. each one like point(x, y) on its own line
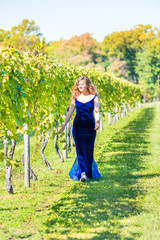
point(84, 136)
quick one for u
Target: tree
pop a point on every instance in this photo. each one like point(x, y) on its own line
point(148, 69)
point(4, 35)
point(118, 67)
point(125, 45)
point(26, 36)
point(51, 47)
point(79, 50)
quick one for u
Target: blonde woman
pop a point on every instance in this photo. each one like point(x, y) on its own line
point(85, 101)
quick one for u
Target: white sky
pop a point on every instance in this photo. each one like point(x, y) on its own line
point(66, 18)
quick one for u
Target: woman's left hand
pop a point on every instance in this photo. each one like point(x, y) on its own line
point(96, 126)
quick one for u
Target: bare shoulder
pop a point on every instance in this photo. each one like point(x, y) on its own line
point(92, 96)
point(96, 98)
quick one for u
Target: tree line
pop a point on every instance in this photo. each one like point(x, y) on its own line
point(132, 54)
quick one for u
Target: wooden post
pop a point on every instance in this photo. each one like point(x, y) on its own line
point(115, 118)
point(117, 111)
point(114, 115)
point(139, 104)
point(136, 105)
point(125, 109)
point(109, 118)
point(129, 108)
point(26, 158)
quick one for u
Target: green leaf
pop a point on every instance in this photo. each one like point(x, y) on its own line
point(1, 156)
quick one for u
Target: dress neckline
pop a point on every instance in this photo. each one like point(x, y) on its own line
point(87, 101)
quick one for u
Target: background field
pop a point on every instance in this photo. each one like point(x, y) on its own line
point(124, 204)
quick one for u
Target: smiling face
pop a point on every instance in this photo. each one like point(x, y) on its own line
point(82, 86)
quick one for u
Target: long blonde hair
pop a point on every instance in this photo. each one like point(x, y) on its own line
point(90, 87)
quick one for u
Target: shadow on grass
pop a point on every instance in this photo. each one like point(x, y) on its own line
point(97, 207)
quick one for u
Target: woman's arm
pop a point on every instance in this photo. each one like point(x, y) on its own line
point(69, 114)
point(96, 113)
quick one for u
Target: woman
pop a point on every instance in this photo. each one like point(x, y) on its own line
point(84, 100)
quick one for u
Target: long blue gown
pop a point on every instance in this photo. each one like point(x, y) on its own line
point(84, 137)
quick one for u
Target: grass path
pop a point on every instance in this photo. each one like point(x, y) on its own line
point(124, 204)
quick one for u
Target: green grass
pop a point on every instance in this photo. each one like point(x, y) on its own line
point(124, 204)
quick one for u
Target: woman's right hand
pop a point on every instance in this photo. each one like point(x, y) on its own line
point(62, 127)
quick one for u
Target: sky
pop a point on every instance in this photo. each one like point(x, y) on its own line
point(67, 18)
